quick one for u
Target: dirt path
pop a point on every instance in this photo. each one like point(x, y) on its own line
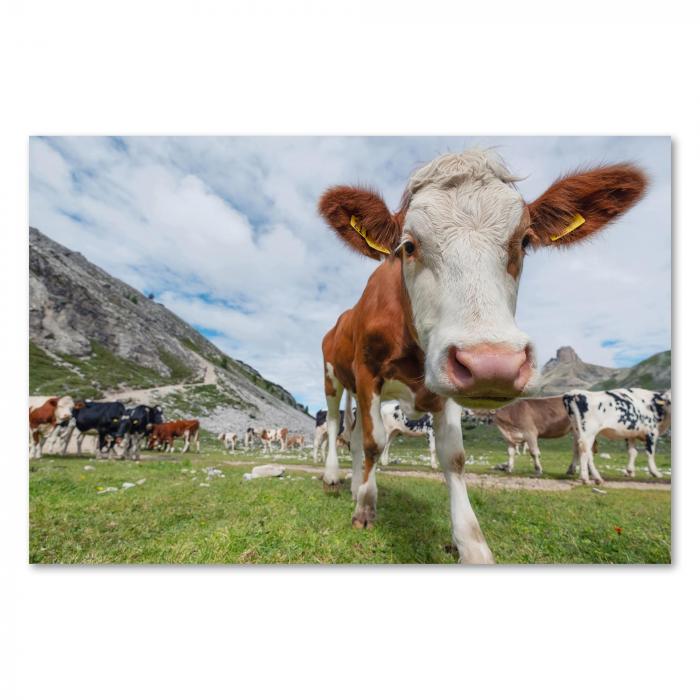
point(147, 396)
point(487, 481)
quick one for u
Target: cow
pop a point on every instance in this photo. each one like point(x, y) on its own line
point(280, 435)
point(164, 434)
point(524, 421)
point(136, 425)
point(321, 432)
point(396, 423)
point(619, 414)
point(434, 327)
point(229, 441)
point(295, 441)
point(92, 417)
point(46, 414)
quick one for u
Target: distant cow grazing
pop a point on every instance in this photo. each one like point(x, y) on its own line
point(434, 327)
point(620, 414)
point(295, 441)
point(229, 440)
point(526, 420)
point(164, 435)
point(396, 423)
point(46, 413)
point(321, 434)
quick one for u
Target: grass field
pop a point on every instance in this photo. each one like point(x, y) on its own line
point(172, 518)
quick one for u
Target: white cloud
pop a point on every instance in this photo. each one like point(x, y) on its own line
point(225, 232)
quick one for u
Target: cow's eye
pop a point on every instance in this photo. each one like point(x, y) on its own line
point(409, 247)
point(527, 243)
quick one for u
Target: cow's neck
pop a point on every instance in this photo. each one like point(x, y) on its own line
point(408, 367)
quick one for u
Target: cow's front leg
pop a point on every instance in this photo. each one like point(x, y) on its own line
point(431, 448)
point(512, 451)
point(384, 460)
point(631, 457)
point(535, 454)
point(373, 442)
point(357, 452)
point(331, 474)
point(650, 449)
point(466, 533)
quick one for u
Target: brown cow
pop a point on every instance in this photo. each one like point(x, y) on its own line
point(526, 420)
point(295, 441)
point(163, 434)
point(435, 327)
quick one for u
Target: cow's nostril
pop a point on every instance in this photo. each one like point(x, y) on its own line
point(489, 370)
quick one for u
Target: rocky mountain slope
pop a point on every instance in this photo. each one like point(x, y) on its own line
point(93, 336)
point(568, 371)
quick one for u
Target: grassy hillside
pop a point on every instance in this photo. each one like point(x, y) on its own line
point(90, 377)
point(652, 373)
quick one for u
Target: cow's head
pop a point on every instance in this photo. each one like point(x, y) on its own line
point(462, 234)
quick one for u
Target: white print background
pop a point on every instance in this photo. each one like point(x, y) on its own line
point(349, 632)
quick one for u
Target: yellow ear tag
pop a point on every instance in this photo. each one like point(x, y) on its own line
point(363, 232)
point(577, 221)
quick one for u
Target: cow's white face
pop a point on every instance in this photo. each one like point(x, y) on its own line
point(462, 248)
point(461, 233)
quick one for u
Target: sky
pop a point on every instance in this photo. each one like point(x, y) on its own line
point(224, 232)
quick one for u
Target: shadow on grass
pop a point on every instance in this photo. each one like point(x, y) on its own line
point(414, 528)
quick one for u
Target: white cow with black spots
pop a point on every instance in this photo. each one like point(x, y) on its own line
point(619, 414)
point(396, 423)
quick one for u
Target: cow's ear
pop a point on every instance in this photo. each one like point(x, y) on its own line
point(362, 220)
point(582, 203)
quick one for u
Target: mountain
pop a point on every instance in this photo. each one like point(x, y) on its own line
point(568, 371)
point(93, 336)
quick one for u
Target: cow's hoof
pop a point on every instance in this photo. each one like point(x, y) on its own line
point(451, 549)
point(599, 481)
point(364, 520)
point(333, 489)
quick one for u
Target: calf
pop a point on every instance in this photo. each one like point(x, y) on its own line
point(435, 327)
point(229, 440)
point(164, 435)
point(46, 414)
point(526, 420)
point(620, 414)
point(396, 423)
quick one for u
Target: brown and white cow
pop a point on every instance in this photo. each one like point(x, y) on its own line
point(164, 434)
point(526, 420)
point(229, 441)
point(434, 327)
point(46, 413)
point(295, 441)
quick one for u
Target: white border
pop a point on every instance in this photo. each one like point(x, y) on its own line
point(207, 67)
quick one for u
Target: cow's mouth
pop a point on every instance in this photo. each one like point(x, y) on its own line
point(483, 401)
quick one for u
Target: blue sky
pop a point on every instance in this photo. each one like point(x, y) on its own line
point(224, 232)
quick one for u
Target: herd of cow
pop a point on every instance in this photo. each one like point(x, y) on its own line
point(116, 427)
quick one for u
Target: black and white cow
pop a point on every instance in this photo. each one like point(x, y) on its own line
point(620, 414)
point(397, 423)
point(135, 425)
point(321, 433)
point(103, 419)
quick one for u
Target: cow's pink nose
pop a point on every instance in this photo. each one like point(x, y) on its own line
point(489, 370)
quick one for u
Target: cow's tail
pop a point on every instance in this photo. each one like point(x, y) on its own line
point(348, 419)
point(574, 414)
